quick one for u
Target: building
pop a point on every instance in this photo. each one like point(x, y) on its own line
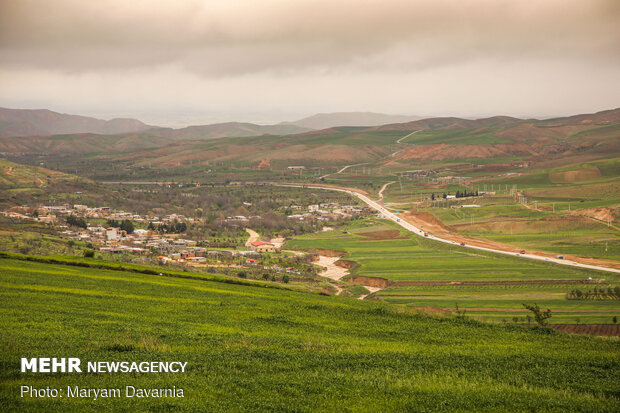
point(262, 246)
point(113, 234)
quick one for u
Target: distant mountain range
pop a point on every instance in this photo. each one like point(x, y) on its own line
point(228, 129)
point(329, 120)
point(43, 122)
point(587, 136)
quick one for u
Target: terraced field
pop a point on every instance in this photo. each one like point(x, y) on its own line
point(257, 349)
point(421, 273)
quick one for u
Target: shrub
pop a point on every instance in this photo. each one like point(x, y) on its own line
point(541, 317)
point(89, 254)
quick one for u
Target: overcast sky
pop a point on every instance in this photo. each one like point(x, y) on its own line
point(190, 61)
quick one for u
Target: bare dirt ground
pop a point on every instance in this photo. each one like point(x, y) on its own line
point(603, 214)
point(277, 242)
point(253, 237)
point(331, 271)
point(337, 269)
point(370, 291)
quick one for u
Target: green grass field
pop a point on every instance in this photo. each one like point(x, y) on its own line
point(412, 258)
point(256, 349)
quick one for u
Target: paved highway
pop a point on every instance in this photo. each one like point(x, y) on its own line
point(409, 227)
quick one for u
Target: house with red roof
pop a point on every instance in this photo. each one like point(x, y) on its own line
point(263, 246)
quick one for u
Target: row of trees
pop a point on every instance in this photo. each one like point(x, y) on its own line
point(459, 194)
point(170, 228)
point(465, 194)
point(598, 293)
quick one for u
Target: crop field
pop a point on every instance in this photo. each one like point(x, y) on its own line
point(250, 348)
point(560, 232)
point(419, 273)
point(472, 136)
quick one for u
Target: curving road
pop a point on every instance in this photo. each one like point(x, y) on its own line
point(411, 228)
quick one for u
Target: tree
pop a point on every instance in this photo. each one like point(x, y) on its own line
point(76, 221)
point(89, 254)
point(432, 197)
point(460, 314)
point(541, 317)
point(615, 319)
point(127, 225)
point(285, 279)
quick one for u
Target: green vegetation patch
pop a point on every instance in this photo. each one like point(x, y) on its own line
point(254, 349)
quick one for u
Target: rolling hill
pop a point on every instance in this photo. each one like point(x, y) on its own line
point(438, 139)
point(330, 120)
point(228, 129)
point(41, 122)
point(14, 175)
point(255, 348)
point(588, 136)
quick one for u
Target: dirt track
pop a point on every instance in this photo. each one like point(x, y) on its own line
point(253, 237)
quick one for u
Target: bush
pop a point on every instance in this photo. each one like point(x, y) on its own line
point(540, 316)
point(89, 254)
point(242, 274)
point(285, 279)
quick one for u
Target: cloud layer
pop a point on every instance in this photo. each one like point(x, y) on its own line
point(204, 41)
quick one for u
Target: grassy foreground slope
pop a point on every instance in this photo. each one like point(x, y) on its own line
point(252, 349)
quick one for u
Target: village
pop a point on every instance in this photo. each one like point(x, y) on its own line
point(164, 239)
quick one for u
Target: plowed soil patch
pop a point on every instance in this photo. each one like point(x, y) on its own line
point(382, 235)
point(577, 175)
point(591, 329)
point(327, 253)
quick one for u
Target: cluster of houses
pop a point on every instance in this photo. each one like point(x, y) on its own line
point(51, 214)
point(329, 211)
point(112, 239)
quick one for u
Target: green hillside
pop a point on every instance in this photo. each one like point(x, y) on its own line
point(257, 349)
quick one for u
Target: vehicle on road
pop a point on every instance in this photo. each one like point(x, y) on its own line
point(560, 257)
point(462, 244)
point(426, 234)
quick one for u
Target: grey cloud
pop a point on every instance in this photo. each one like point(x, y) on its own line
point(223, 37)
